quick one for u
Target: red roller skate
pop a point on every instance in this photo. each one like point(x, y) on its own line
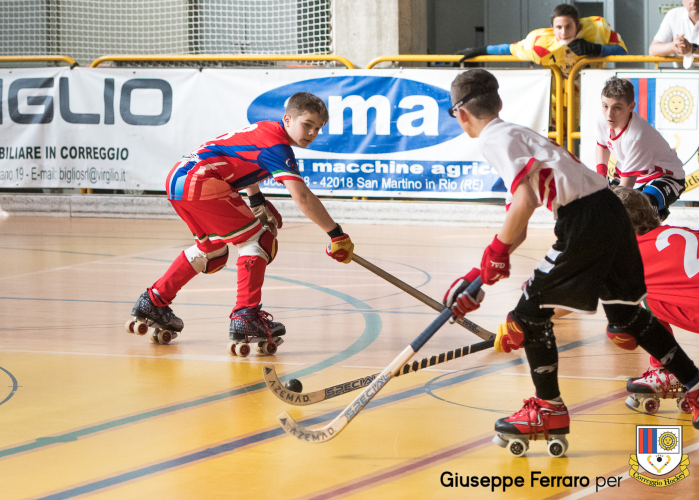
point(654, 385)
point(536, 417)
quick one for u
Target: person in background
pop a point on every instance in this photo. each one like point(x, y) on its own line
point(678, 34)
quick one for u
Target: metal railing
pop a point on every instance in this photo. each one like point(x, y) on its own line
point(68, 60)
point(223, 57)
point(558, 133)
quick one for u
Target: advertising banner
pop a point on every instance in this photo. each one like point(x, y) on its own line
point(389, 133)
point(667, 99)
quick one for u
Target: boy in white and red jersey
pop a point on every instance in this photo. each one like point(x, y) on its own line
point(204, 191)
point(595, 257)
point(643, 157)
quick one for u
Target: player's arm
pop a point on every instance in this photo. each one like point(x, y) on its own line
point(628, 181)
point(341, 247)
point(252, 190)
point(514, 230)
point(602, 156)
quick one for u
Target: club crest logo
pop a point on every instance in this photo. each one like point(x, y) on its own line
point(659, 452)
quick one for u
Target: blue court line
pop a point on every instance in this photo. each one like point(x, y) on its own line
point(56, 251)
point(371, 332)
point(15, 385)
point(262, 436)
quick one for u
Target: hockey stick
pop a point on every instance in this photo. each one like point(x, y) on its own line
point(425, 299)
point(343, 419)
point(304, 399)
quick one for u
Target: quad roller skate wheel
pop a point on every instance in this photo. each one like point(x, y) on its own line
point(517, 447)
point(650, 405)
point(165, 336)
point(130, 326)
point(499, 441)
point(231, 349)
point(154, 337)
point(557, 447)
point(243, 349)
point(270, 348)
point(260, 347)
point(632, 402)
point(140, 328)
point(684, 405)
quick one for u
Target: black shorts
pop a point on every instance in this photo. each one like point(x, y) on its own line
point(595, 257)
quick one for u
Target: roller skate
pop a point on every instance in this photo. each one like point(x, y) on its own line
point(692, 398)
point(161, 322)
point(536, 417)
point(254, 326)
point(654, 385)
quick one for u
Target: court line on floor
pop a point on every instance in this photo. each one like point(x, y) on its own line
point(372, 328)
point(57, 251)
point(236, 444)
point(15, 386)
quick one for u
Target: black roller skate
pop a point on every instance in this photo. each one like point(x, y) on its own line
point(162, 323)
point(254, 326)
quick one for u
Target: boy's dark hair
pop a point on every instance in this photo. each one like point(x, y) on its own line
point(643, 217)
point(617, 88)
point(481, 89)
point(301, 102)
point(566, 10)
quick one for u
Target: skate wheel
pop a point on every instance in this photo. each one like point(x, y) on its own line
point(260, 347)
point(632, 402)
point(231, 349)
point(499, 441)
point(243, 349)
point(130, 326)
point(140, 328)
point(270, 348)
point(517, 447)
point(684, 405)
point(164, 336)
point(154, 337)
point(650, 405)
point(557, 447)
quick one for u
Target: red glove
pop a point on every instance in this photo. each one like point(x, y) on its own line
point(602, 169)
point(495, 264)
point(276, 214)
point(458, 300)
point(510, 335)
point(341, 249)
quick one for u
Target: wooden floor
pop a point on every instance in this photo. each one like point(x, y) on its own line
point(89, 410)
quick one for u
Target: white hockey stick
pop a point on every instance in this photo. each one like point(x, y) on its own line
point(308, 398)
point(343, 419)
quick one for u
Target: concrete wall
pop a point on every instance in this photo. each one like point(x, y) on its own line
point(364, 30)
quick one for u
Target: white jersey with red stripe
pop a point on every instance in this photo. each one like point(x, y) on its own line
point(519, 154)
point(640, 150)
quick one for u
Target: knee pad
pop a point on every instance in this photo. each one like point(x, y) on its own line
point(537, 330)
point(627, 334)
point(208, 263)
point(265, 245)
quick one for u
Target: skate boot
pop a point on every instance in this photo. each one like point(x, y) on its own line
point(537, 417)
point(692, 398)
point(654, 385)
point(254, 326)
point(162, 323)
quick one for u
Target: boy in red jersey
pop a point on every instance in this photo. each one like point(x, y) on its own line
point(204, 191)
point(595, 257)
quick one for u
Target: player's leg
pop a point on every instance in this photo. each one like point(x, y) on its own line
point(663, 192)
point(248, 320)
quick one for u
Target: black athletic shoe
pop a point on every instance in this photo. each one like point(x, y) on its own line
point(249, 323)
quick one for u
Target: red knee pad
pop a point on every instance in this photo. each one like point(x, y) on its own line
point(268, 243)
point(622, 339)
point(217, 263)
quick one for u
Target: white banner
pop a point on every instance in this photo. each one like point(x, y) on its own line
point(389, 132)
point(667, 99)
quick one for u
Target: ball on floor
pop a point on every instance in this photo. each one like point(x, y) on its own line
point(294, 385)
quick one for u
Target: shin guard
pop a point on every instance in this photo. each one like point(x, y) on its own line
point(163, 291)
point(251, 276)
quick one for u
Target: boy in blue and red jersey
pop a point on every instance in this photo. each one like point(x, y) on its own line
point(204, 191)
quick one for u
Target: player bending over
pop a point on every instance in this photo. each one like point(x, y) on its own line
point(643, 156)
point(204, 191)
point(595, 257)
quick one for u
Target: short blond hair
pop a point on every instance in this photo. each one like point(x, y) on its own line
point(643, 217)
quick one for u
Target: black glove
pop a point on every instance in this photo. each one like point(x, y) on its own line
point(582, 47)
point(473, 52)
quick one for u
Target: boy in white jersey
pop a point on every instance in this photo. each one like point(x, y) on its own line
point(644, 158)
point(595, 257)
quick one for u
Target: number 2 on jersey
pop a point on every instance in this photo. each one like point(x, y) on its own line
point(691, 262)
